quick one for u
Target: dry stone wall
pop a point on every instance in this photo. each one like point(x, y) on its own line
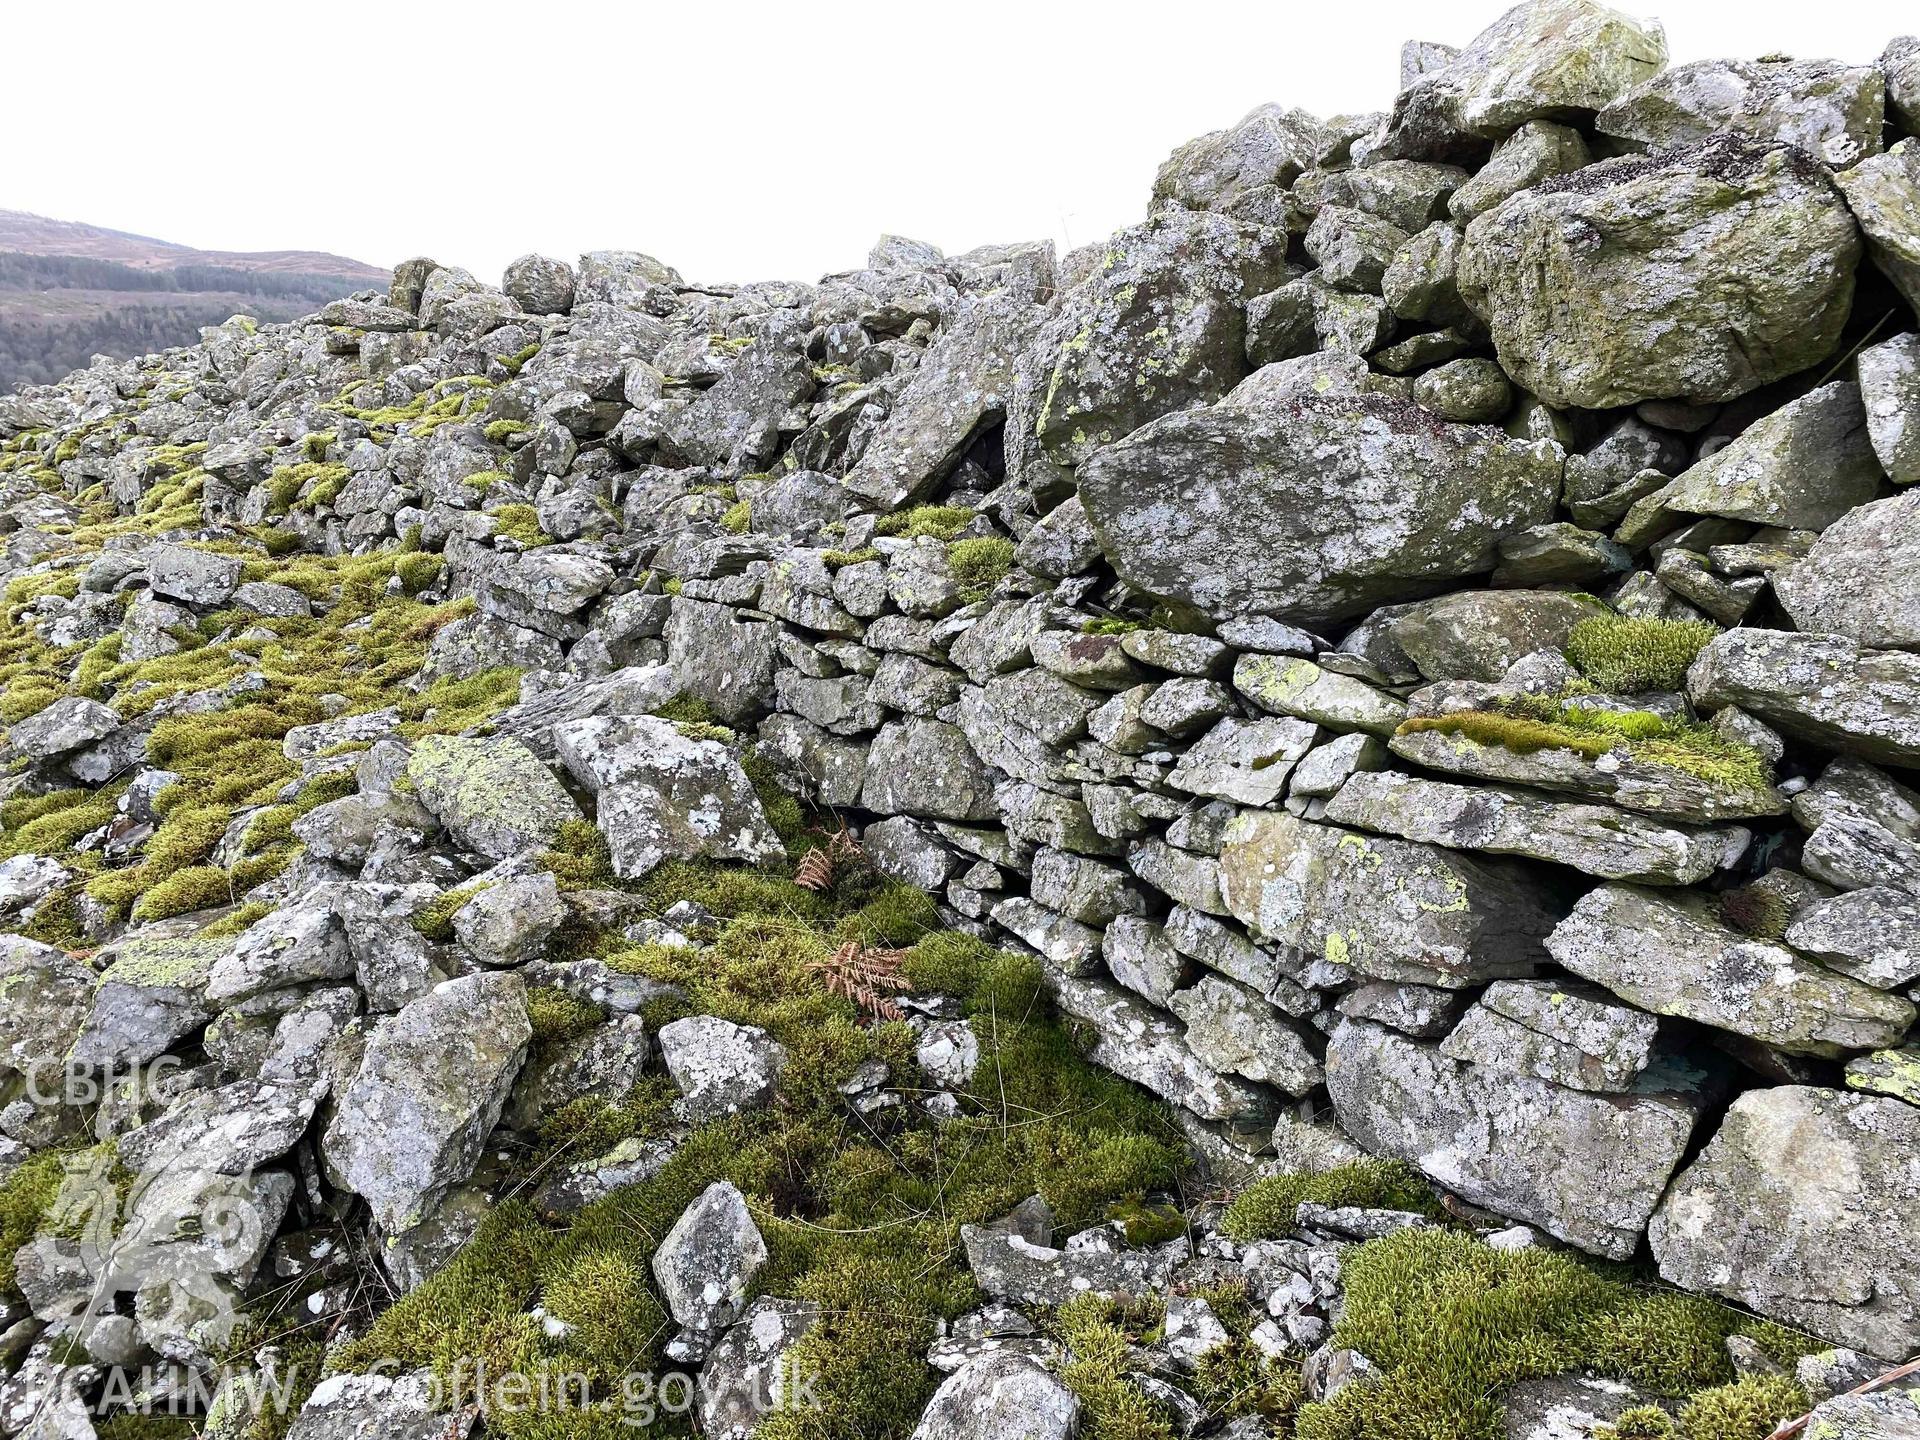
point(1418, 634)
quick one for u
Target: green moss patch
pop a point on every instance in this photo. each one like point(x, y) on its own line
point(1628, 657)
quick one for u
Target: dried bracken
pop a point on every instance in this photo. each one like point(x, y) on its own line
point(818, 866)
point(866, 975)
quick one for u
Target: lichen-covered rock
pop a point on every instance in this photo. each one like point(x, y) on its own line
point(707, 1261)
point(960, 389)
point(1572, 1035)
point(1834, 112)
point(1884, 194)
point(1234, 1031)
point(1148, 1048)
point(1588, 1168)
point(494, 796)
point(156, 991)
point(1802, 467)
point(1157, 328)
point(1314, 509)
point(1287, 685)
point(1596, 287)
point(997, 1397)
point(1270, 146)
point(1861, 579)
point(925, 767)
point(1824, 689)
point(1387, 909)
point(1672, 955)
point(430, 1086)
point(1801, 1207)
point(664, 795)
point(1871, 934)
point(1890, 391)
point(746, 1378)
point(720, 1068)
point(1543, 59)
point(1594, 839)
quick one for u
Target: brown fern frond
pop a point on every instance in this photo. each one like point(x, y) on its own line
point(864, 974)
point(815, 870)
point(817, 867)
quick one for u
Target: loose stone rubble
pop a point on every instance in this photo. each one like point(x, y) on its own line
point(1413, 649)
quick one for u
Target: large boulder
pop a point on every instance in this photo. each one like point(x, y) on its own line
point(1158, 327)
point(1313, 508)
point(959, 390)
point(494, 796)
point(1543, 59)
point(1823, 689)
point(1386, 909)
point(431, 1085)
point(1832, 111)
point(1586, 1167)
point(1268, 147)
point(1671, 954)
point(1699, 274)
point(1862, 577)
point(1801, 1206)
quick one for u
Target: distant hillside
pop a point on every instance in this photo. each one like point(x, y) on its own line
point(70, 291)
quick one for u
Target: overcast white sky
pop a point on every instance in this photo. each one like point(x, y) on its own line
point(734, 141)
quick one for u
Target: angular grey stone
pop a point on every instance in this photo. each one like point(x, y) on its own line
point(1084, 889)
point(1884, 195)
point(1145, 1046)
point(1823, 689)
point(1890, 390)
point(1570, 1035)
point(1594, 839)
point(430, 1086)
point(1861, 579)
point(1269, 146)
point(1627, 313)
point(508, 921)
point(1670, 955)
point(926, 768)
point(720, 1068)
point(539, 285)
point(1066, 944)
point(1315, 509)
point(1540, 60)
point(959, 390)
point(69, 723)
point(1481, 634)
point(1387, 909)
point(1422, 1011)
point(1244, 760)
point(1285, 685)
point(1872, 935)
point(155, 991)
point(664, 795)
point(1139, 957)
point(494, 796)
point(1189, 879)
point(1586, 1168)
point(707, 1261)
point(1537, 151)
point(1834, 112)
point(1797, 1208)
point(193, 577)
point(1000, 1395)
point(1234, 1031)
point(1156, 328)
point(722, 659)
point(356, 1407)
point(745, 1379)
point(1803, 466)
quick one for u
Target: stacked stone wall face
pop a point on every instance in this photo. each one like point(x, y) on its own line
point(1419, 636)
